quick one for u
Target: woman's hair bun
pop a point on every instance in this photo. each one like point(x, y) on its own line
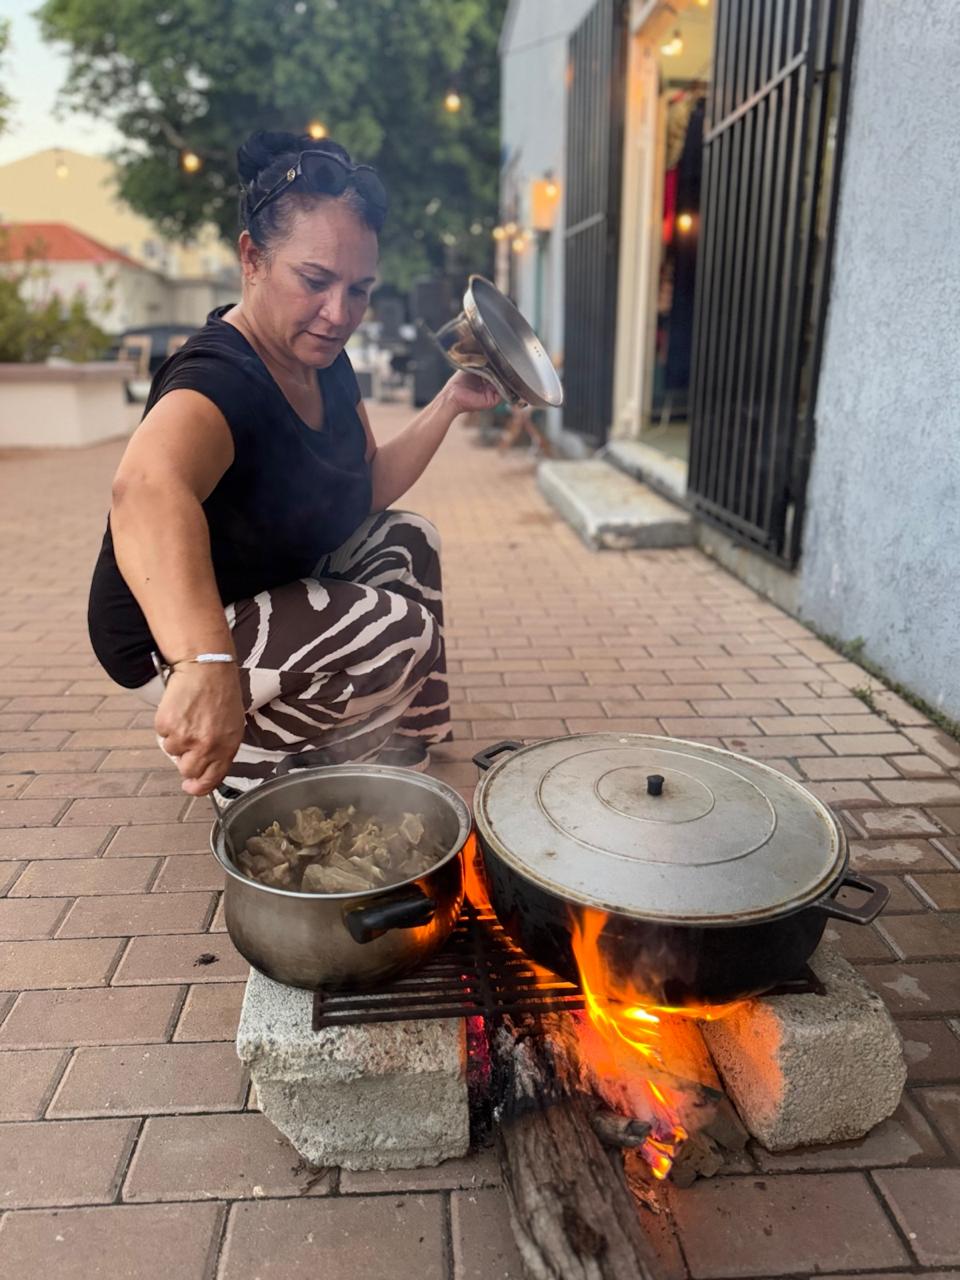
point(264, 147)
point(261, 149)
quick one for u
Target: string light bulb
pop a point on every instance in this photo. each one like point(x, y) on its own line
point(452, 102)
point(674, 46)
point(499, 233)
point(685, 222)
point(551, 189)
point(519, 244)
point(511, 228)
point(317, 130)
point(190, 162)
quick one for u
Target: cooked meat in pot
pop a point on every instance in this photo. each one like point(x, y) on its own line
point(339, 852)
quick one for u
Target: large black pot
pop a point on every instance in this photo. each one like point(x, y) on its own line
point(676, 961)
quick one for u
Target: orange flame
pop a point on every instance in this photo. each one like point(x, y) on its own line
point(621, 1015)
point(473, 885)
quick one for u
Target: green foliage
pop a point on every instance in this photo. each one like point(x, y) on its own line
point(853, 650)
point(32, 330)
point(202, 74)
point(6, 102)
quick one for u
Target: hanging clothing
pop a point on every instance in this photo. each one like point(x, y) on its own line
point(684, 248)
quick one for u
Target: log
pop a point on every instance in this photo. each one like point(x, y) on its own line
point(571, 1210)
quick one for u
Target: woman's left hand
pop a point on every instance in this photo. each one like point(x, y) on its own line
point(469, 393)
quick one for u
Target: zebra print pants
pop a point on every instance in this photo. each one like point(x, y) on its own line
point(347, 664)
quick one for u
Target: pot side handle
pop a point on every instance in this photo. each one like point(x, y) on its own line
point(413, 909)
point(484, 759)
point(864, 912)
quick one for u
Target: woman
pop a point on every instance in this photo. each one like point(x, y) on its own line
point(249, 543)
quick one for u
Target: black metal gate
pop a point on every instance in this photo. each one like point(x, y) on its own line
point(596, 69)
point(770, 180)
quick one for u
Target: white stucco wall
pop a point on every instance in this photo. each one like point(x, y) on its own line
point(881, 554)
point(533, 57)
point(118, 296)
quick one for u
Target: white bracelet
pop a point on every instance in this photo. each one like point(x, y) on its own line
point(207, 657)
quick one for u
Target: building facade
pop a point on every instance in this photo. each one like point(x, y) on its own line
point(159, 281)
point(765, 184)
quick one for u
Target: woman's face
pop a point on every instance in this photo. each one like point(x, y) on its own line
point(312, 290)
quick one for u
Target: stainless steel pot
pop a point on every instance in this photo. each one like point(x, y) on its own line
point(491, 338)
point(344, 941)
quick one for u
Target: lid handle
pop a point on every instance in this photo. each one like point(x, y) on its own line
point(655, 784)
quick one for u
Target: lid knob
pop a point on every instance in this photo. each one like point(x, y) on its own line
point(655, 784)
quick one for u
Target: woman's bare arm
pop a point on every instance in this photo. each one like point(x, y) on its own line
point(162, 544)
point(399, 463)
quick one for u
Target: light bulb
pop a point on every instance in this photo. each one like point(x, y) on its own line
point(673, 46)
point(519, 244)
point(499, 233)
point(452, 102)
point(190, 162)
point(511, 228)
point(685, 222)
point(317, 130)
point(552, 190)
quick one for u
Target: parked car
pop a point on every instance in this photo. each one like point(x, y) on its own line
point(161, 337)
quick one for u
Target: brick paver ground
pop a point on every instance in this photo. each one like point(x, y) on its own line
point(128, 1147)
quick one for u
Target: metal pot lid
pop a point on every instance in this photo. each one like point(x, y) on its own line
point(718, 840)
point(514, 350)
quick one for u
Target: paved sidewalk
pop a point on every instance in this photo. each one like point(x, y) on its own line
point(127, 1146)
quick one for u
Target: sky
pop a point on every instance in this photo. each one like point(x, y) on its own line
point(32, 73)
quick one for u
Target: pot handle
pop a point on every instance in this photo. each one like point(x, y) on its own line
point(484, 759)
point(366, 923)
point(878, 896)
point(302, 760)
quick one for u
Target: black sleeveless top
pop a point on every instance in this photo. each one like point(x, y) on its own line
point(290, 495)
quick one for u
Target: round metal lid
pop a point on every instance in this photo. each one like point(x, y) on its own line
point(718, 840)
point(515, 351)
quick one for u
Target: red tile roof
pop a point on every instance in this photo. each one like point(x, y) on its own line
point(56, 242)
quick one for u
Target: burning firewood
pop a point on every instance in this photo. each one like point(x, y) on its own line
point(572, 1213)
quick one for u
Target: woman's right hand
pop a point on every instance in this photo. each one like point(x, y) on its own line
point(200, 721)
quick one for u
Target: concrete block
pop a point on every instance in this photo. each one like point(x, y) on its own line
point(389, 1095)
point(804, 1069)
point(609, 510)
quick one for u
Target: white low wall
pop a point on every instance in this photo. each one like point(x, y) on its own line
point(45, 406)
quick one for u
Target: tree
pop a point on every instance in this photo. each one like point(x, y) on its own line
point(199, 75)
point(5, 100)
point(36, 321)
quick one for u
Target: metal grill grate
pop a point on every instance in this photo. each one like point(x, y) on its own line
point(478, 973)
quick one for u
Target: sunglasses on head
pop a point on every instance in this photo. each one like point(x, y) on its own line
point(328, 175)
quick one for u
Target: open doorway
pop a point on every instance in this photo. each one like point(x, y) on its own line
point(669, 73)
